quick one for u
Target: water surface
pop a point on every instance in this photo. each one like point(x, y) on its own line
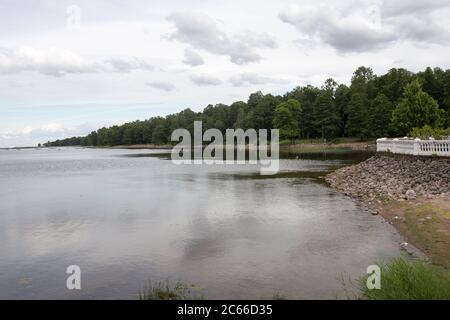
point(126, 217)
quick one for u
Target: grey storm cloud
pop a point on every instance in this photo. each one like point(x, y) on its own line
point(192, 58)
point(370, 28)
point(202, 32)
point(205, 80)
point(247, 78)
point(165, 86)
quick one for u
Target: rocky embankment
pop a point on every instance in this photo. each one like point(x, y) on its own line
point(393, 177)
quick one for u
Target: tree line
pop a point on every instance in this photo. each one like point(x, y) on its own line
point(370, 107)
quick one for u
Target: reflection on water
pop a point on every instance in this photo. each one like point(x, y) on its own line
point(125, 218)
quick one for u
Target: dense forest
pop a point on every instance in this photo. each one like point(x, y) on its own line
point(371, 107)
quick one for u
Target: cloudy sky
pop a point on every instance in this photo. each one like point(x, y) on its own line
point(68, 67)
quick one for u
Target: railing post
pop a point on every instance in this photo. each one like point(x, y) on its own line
point(380, 145)
point(416, 149)
point(394, 145)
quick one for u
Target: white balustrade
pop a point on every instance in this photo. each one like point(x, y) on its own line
point(416, 147)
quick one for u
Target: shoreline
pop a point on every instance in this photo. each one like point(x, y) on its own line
point(299, 146)
point(410, 193)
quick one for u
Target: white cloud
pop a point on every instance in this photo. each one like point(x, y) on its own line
point(38, 131)
point(205, 80)
point(202, 32)
point(54, 61)
point(60, 62)
point(32, 135)
point(73, 77)
point(192, 58)
point(248, 78)
point(361, 28)
point(345, 32)
point(414, 7)
point(165, 86)
point(127, 64)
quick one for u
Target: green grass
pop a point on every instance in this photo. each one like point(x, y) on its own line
point(279, 296)
point(404, 280)
point(165, 290)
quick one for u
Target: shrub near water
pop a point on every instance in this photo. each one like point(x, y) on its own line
point(404, 280)
point(426, 132)
point(169, 291)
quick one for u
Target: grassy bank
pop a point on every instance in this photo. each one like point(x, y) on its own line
point(405, 280)
point(166, 290)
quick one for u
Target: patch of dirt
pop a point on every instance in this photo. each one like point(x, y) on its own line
point(423, 222)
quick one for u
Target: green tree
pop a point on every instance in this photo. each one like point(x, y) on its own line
point(286, 119)
point(160, 133)
point(366, 108)
point(363, 83)
point(342, 98)
point(393, 83)
point(416, 109)
point(357, 123)
point(380, 114)
point(432, 84)
point(261, 110)
point(326, 117)
point(307, 97)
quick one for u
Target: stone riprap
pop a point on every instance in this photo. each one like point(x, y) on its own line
point(393, 177)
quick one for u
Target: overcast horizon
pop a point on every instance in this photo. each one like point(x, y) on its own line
point(128, 61)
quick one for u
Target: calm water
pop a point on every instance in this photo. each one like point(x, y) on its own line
point(128, 216)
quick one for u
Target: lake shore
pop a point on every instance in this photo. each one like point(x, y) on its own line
point(299, 146)
point(411, 193)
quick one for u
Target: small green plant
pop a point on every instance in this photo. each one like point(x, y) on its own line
point(279, 296)
point(427, 132)
point(405, 280)
point(165, 290)
point(380, 197)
